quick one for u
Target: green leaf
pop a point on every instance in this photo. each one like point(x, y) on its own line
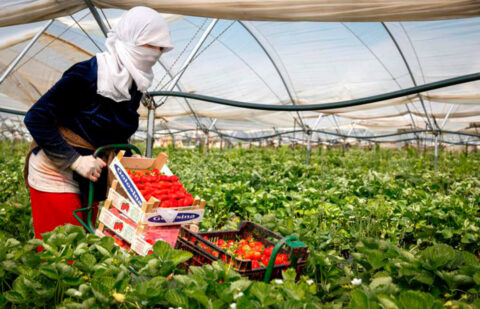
point(72, 281)
point(240, 285)
point(108, 243)
point(3, 301)
point(476, 278)
point(101, 292)
point(74, 229)
point(102, 250)
point(200, 296)
point(260, 291)
point(50, 271)
point(359, 300)
point(376, 282)
point(80, 249)
point(176, 299)
point(289, 275)
point(161, 247)
point(87, 261)
point(424, 277)
point(436, 256)
point(462, 280)
point(415, 300)
point(11, 243)
point(179, 256)
point(74, 293)
point(15, 297)
point(387, 302)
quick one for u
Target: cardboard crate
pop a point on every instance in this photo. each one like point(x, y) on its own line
point(130, 217)
point(120, 222)
point(129, 199)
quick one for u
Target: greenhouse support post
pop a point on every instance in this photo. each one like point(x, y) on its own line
point(207, 133)
point(22, 54)
point(409, 72)
point(275, 60)
point(150, 130)
point(309, 149)
point(173, 83)
point(97, 17)
point(444, 122)
point(189, 59)
point(309, 137)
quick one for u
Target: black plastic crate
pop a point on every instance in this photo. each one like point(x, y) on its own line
point(193, 242)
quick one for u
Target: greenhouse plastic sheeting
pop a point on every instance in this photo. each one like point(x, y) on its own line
point(277, 63)
point(17, 12)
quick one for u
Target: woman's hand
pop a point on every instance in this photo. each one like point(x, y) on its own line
point(89, 167)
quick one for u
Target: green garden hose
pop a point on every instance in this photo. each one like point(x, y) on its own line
point(292, 242)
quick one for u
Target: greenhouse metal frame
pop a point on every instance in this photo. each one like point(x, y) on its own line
point(200, 117)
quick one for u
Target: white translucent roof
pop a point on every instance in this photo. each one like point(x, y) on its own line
point(273, 62)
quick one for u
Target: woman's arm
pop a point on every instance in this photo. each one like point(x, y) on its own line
point(42, 119)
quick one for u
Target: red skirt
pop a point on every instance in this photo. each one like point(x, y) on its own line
point(50, 210)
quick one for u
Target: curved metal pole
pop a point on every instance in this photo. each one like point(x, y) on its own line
point(12, 111)
point(245, 62)
point(189, 59)
point(86, 33)
point(409, 72)
point(384, 67)
point(365, 137)
point(25, 50)
point(180, 88)
point(97, 17)
point(277, 64)
point(173, 83)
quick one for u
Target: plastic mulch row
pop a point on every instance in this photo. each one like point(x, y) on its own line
point(193, 242)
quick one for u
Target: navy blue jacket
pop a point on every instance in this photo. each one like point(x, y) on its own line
point(73, 103)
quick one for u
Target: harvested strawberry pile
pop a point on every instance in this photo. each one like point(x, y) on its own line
point(246, 249)
point(166, 189)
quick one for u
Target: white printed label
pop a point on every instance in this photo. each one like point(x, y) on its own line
point(182, 217)
point(126, 182)
point(117, 225)
point(140, 246)
point(166, 171)
point(125, 206)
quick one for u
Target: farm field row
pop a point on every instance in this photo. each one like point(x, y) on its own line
point(384, 231)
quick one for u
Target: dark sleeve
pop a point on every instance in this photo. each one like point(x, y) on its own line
point(43, 118)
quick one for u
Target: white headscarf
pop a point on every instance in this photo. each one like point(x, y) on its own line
point(125, 58)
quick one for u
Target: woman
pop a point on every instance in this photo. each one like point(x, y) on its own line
point(94, 104)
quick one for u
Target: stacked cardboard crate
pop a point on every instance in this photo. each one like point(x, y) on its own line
point(134, 222)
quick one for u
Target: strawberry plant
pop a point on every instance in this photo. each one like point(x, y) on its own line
point(383, 228)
